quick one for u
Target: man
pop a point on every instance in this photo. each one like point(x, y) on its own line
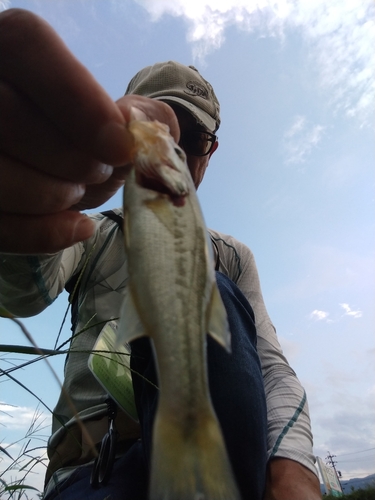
point(63, 146)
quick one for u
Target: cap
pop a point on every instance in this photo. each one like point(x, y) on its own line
point(184, 85)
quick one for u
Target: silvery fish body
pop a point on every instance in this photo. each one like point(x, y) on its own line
point(172, 297)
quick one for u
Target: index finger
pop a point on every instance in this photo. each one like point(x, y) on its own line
point(37, 62)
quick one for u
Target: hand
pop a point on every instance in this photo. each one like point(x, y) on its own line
point(289, 480)
point(63, 141)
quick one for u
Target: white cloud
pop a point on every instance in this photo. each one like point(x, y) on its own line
point(300, 139)
point(4, 4)
point(349, 312)
point(339, 34)
point(27, 465)
point(19, 417)
point(297, 126)
point(342, 412)
point(24, 433)
point(319, 315)
point(338, 425)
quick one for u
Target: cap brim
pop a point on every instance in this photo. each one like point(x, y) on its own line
point(201, 116)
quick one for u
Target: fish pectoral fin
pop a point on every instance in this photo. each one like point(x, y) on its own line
point(218, 326)
point(130, 326)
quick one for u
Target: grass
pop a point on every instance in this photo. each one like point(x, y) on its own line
point(17, 471)
point(21, 461)
point(361, 494)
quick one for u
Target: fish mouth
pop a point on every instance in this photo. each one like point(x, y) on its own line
point(154, 184)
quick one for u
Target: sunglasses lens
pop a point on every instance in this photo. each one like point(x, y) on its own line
point(197, 143)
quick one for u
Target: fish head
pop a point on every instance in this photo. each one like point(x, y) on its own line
point(159, 163)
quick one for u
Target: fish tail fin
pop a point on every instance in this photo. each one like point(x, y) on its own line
point(190, 462)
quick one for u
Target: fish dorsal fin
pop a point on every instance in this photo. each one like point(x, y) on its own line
point(130, 326)
point(218, 326)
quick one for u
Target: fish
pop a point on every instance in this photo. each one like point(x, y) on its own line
point(172, 297)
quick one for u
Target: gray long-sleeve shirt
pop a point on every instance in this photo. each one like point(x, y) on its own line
point(28, 284)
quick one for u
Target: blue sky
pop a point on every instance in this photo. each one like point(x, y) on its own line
point(293, 178)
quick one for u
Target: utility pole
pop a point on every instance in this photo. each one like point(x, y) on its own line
point(332, 464)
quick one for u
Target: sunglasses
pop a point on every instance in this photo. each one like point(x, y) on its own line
point(197, 143)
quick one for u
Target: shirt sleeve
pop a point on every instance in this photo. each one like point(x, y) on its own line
point(289, 428)
point(30, 283)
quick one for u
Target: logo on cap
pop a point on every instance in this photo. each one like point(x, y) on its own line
point(196, 88)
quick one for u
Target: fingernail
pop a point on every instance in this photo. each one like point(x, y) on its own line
point(105, 170)
point(138, 114)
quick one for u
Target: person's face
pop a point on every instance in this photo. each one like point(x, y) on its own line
point(197, 164)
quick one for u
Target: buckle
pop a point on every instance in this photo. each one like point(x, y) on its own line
point(103, 463)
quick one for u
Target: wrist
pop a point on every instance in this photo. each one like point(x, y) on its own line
point(290, 480)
